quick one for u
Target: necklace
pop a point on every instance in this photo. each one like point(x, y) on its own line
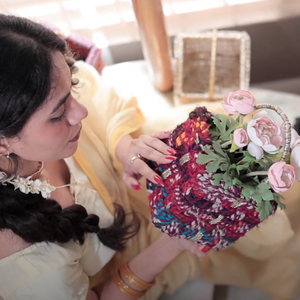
point(31, 184)
point(35, 175)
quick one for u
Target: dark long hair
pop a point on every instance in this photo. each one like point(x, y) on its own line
point(25, 82)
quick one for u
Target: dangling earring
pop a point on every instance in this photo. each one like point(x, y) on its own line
point(7, 155)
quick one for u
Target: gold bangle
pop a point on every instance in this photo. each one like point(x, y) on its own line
point(124, 288)
point(133, 280)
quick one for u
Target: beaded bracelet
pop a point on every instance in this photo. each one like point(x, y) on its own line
point(133, 280)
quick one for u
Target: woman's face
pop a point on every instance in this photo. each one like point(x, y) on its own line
point(53, 131)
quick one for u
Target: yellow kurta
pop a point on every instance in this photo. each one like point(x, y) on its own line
point(267, 258)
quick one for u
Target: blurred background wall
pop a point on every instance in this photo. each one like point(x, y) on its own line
point(273, 25)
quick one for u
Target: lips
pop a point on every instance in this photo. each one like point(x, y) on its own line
point(76, 137)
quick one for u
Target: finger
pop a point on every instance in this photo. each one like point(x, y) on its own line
point(154, 141)
point(132, 181)
point(144, 170)
point(162, 134)
point(202, 250)
point(154, 149)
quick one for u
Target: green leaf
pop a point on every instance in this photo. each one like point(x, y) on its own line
point(220, 122)
point(224, 166)
point(264, 210)
point(214, 132)
point(213, 154)
point(231, 125)
point(257, 197)
point(265, 163)
point(217, 178)
point(242, 167)
point(235, 181)
point(225, 125)
point(247, 191)
point(227, 179)
point(263, 186)
point(212, 166)
point(267, 195)
point(204, 158)
point(277, 198)
point(281, 205)
point(248, 158)
point(218, 149)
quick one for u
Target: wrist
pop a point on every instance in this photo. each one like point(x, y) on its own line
point(163, 251)
point(122, 146)
point(173, 243)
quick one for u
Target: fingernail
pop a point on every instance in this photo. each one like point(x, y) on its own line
point(136, 187)
point(159, 180)
point(171, 151)
point(205, 249)
point(171, 157)
point(167, 132)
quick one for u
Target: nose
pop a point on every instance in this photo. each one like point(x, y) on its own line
point(76, 112)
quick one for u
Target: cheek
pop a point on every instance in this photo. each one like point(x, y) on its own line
point(51, 135)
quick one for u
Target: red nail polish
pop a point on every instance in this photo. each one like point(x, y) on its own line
point(171, 151)
point(136, 187)
point(205, 249)
point(171, 157)
point(158, 180)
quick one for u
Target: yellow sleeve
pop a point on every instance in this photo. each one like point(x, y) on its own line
point(110, 115)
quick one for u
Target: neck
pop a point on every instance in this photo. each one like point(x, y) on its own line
point(28, 168)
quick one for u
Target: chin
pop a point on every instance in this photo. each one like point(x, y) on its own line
point(69, 151)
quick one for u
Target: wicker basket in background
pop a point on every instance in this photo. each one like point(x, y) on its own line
point(210, 64)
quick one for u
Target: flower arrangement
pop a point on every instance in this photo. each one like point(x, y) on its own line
point(251, 155)
point(228, 174)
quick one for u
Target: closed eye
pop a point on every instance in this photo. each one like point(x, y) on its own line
point(61, 117)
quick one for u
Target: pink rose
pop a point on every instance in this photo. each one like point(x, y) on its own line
point(239, 102)
point(264, 133)
point(255, 150)
point(240, 137)
point(281, 176)
point(295, 160)
point(295, 153)
point(295, 139)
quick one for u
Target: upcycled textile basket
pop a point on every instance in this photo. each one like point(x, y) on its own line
point(190, 205)
point(210, 64)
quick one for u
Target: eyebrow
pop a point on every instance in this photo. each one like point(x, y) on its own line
point(60, 103)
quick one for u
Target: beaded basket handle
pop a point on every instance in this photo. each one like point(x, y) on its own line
point(287, 127)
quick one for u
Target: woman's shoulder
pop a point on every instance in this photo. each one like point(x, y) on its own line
point(43, 269)
point(10, 243)
point(34, 266)
point(14, 250)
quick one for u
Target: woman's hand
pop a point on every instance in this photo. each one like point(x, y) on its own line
point(132, 151)
point(196, 249)
point(183, 245)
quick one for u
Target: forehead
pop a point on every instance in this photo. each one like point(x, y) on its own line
point(61, 76)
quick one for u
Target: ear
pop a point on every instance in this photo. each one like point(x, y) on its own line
point(4, 146)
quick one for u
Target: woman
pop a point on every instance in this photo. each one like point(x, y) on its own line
point(50, 239)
